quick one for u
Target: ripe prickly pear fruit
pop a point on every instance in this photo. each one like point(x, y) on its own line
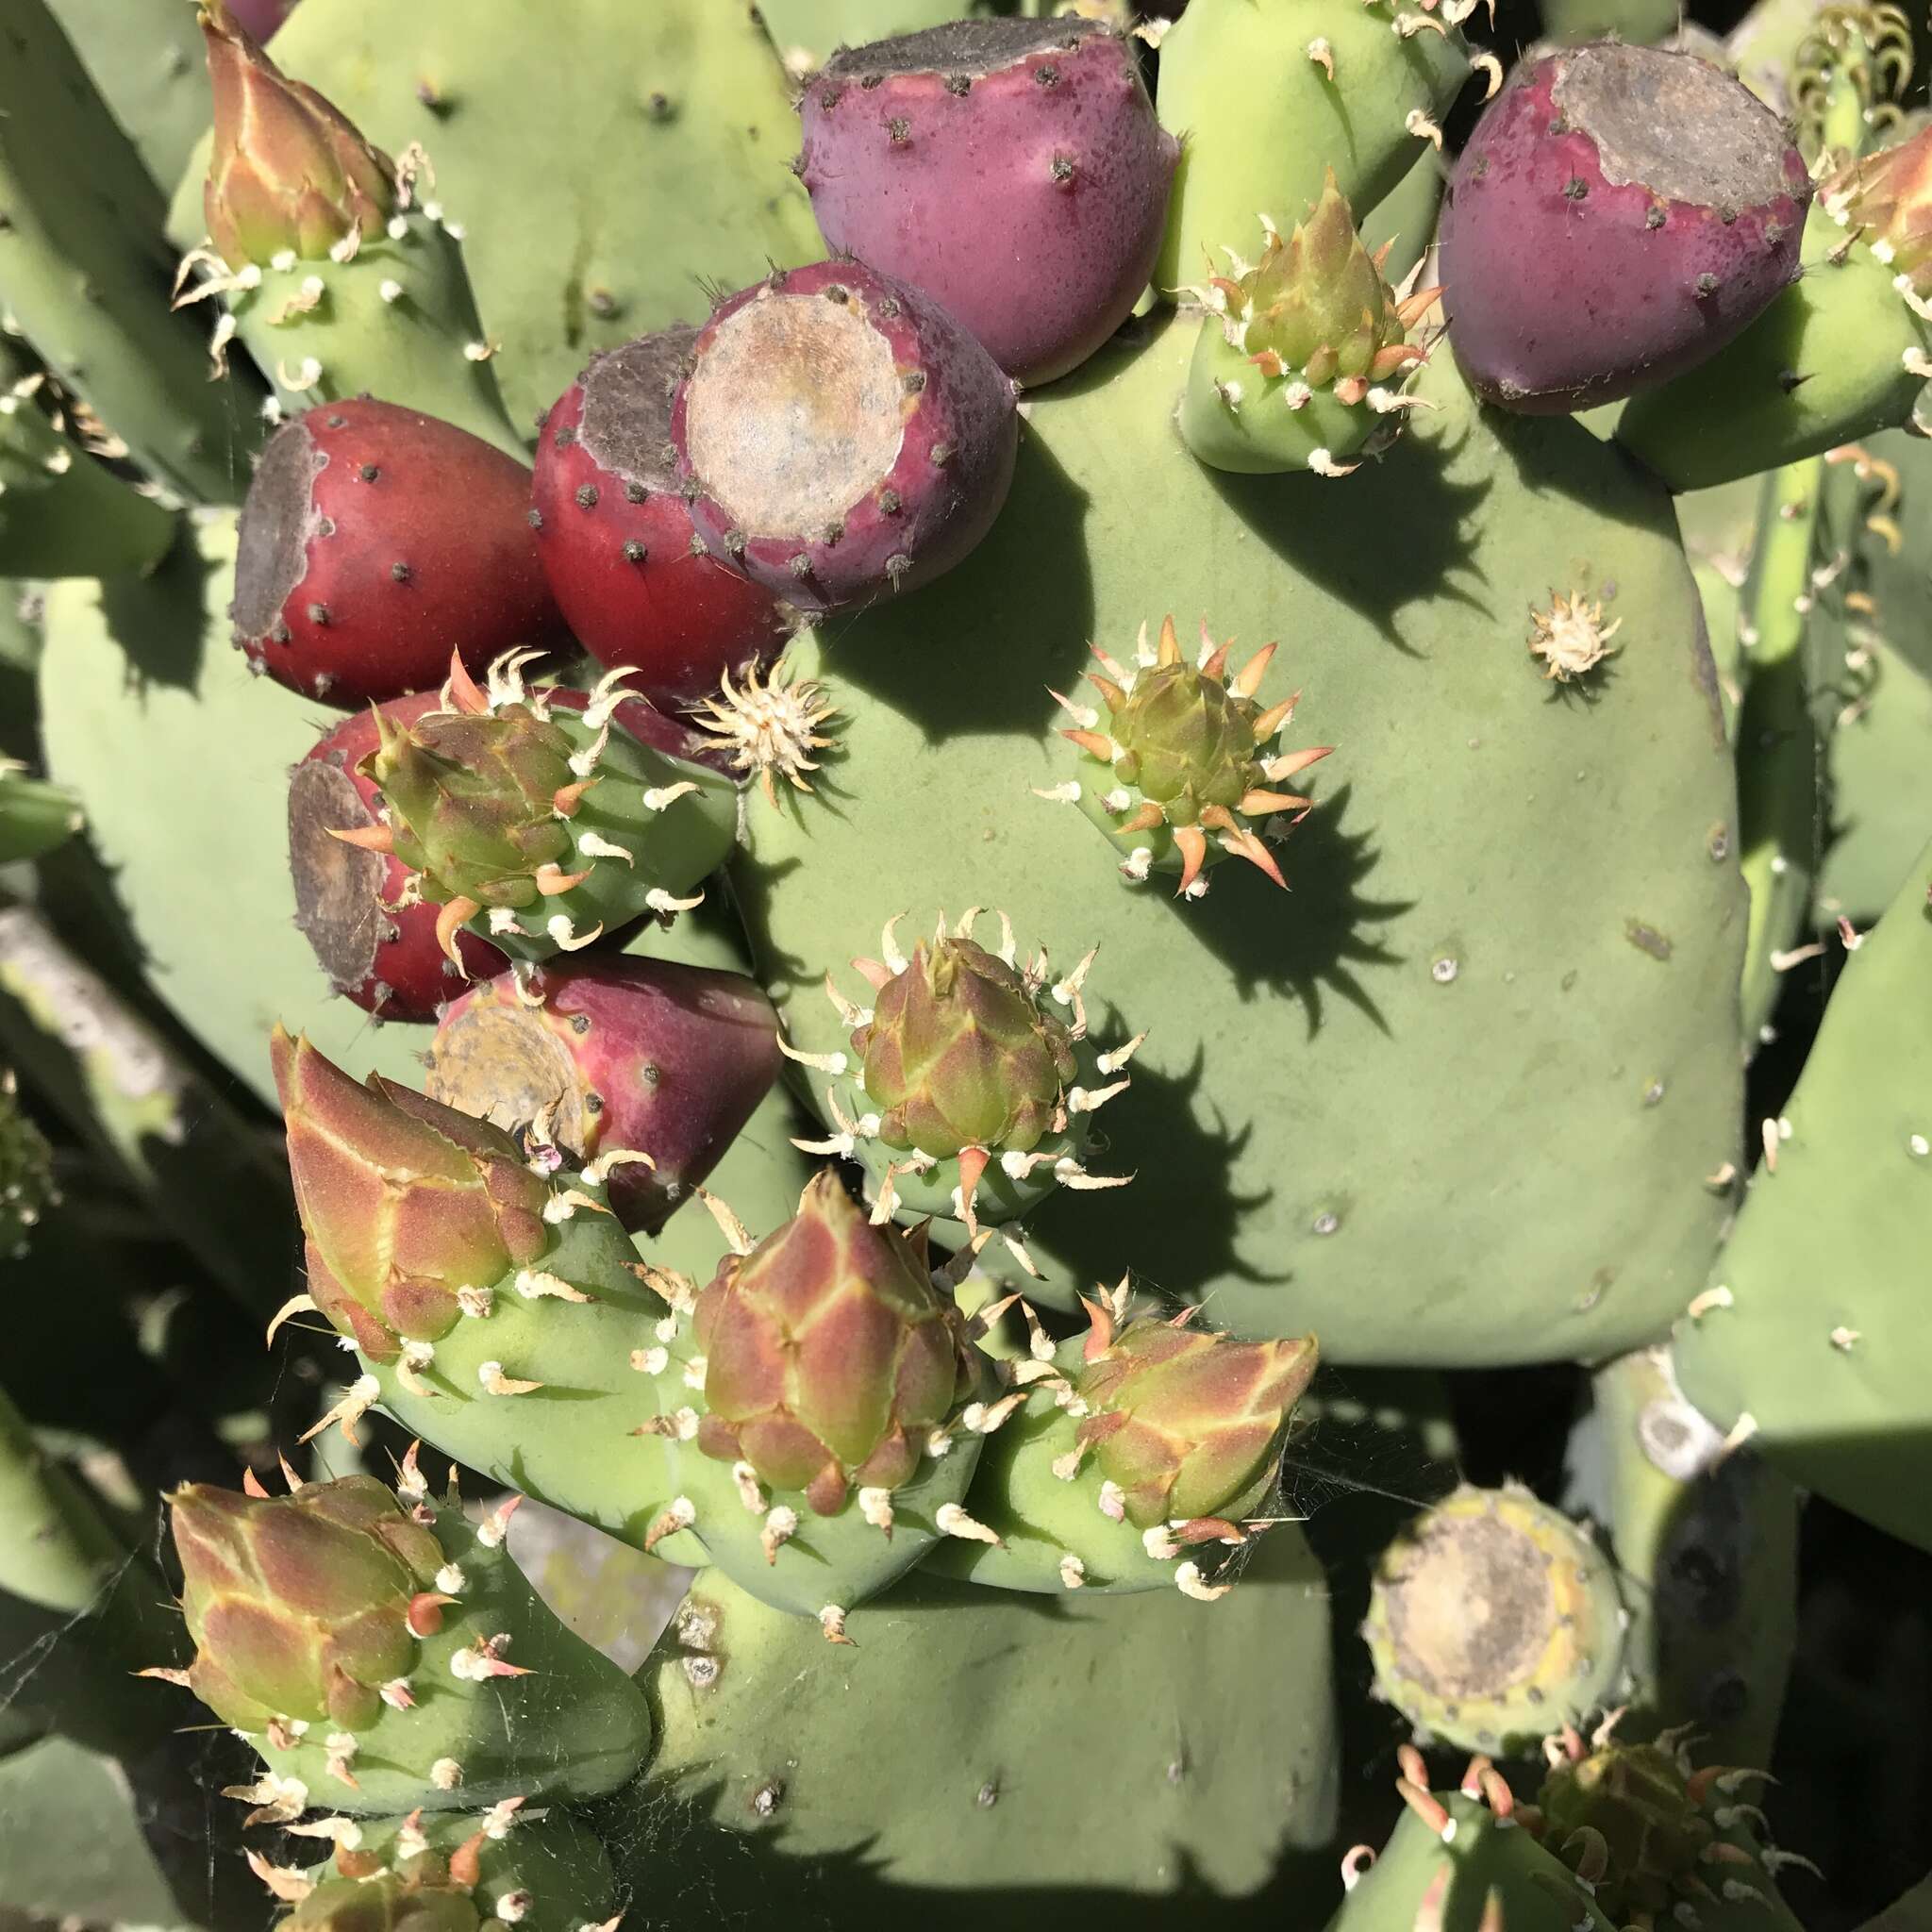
point(1619, 214)
point(1182, 769)
point(830, 1358)
point(370, 1644)
point(969, 1086)
point(614, 532)
point(840, 435)
point(1124, 1458)
point(375, 542)
point(657, 1059)
point(261, 18)
point(1300, 362)
point(1493, 1619)
point(1011, 169)
point(352, 904)
point(546, 823)
point(451, 1873)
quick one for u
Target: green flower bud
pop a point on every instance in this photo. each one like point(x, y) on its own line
point(303, 1607)
point(958, 1053)
point(1187, 1422)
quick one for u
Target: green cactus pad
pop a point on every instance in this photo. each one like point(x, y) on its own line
point(610, 1435)
point(1803, 1343)
point(1706, 1555)
point(542, 1874)
point(1246, 87)
point(62, 513)
point(84, 273)
point(399, 322)
point(974, 1740)
point(146, 61)
point(1492, 1621)
point(1880, 782)
point(806, 33)
point(1479, 952)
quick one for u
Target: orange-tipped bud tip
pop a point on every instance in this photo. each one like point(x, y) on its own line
point(464, 694)
point(378, 838)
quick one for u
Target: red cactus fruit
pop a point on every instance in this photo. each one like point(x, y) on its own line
point(840, 435)
point(1619, 214)
point(633, 578)
point(376, 541)
point(380, 953)
point(1188, 1422)
point(406, 1202)
point(643, 1054)
point(1013, 169)
point(830, 1358)
point(303, 1607)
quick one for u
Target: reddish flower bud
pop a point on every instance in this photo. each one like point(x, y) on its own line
point(1187, 1422)
point(829, 1355)
point(1888, 198)
point(299, 1604)
point(287, 170)
point(404, 1201)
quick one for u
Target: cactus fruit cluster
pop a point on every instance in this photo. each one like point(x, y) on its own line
point(549, 594)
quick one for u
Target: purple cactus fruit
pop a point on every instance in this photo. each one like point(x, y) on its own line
point(1619, 214)
point(1013, 169)
point(840, 435)
point(643, 1054)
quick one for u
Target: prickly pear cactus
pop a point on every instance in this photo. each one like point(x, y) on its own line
point(965, 1744)
point(1510, 921)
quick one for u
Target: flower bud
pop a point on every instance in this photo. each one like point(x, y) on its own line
point(830, 1354)
point(287, 170)
point(1188, 1423)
